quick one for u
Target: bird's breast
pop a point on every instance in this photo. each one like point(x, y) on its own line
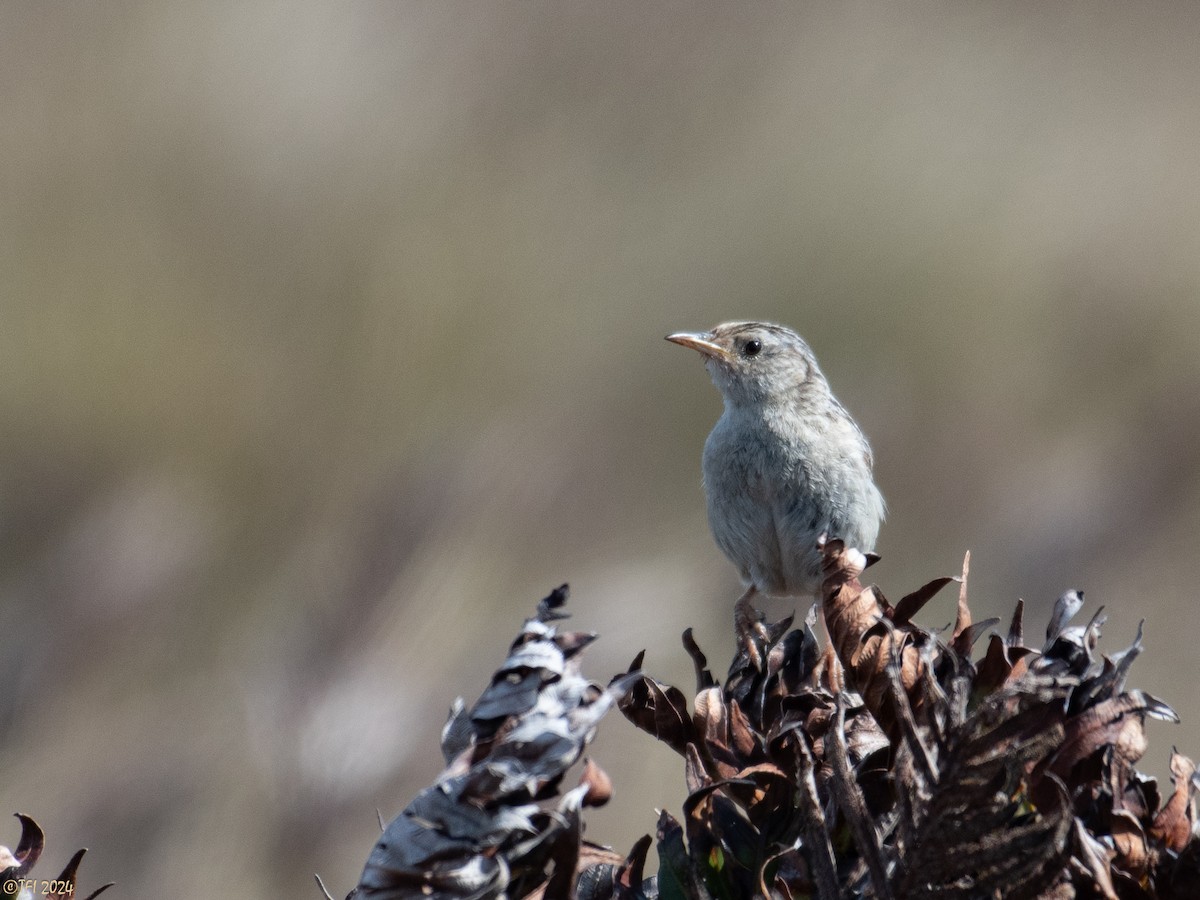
point(737, 455)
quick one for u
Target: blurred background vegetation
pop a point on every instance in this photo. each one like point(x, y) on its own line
point(332, 340)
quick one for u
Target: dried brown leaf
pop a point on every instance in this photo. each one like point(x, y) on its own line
point(709, 716)
point(629, 877)
point(704, 677)
point(660, 710)
point(695, 774)
point(961, 642)
point(994, 669)
point(1095, 861)
point(865, 641)
point(742, 735)
point(911, 604)
point(1175, 822)
point(30, 846)
point(599, 784)
point(1016, 629)
point(1129, 839)
point(1114, 722)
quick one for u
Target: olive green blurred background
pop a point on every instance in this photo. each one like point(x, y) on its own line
point(331, 340)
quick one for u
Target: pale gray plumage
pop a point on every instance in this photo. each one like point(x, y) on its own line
point(785, 463)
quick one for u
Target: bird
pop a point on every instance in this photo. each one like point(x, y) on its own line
point(784, 466)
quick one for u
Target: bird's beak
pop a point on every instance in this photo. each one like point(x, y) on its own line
point(701, 341)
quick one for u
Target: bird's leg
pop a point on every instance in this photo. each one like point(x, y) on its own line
point(748, 626)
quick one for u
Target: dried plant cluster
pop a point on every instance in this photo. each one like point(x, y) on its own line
point(479, 830)
point(15, 878)
point(886, 763)
point(890, 764)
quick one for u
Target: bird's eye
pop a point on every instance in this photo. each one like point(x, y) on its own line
point(752, 348)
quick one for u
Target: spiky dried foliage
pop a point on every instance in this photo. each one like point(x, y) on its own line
point(15, 880)
point(883, 763)
point(891, 764)
point(481, 830)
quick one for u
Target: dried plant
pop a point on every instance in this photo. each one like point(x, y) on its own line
point(479, 830)
point(15, 880)
point(884, 762)
point(891, 764)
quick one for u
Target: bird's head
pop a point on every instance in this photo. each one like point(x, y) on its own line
point(755, 362)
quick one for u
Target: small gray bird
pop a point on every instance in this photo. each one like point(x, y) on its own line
point(785, 462)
